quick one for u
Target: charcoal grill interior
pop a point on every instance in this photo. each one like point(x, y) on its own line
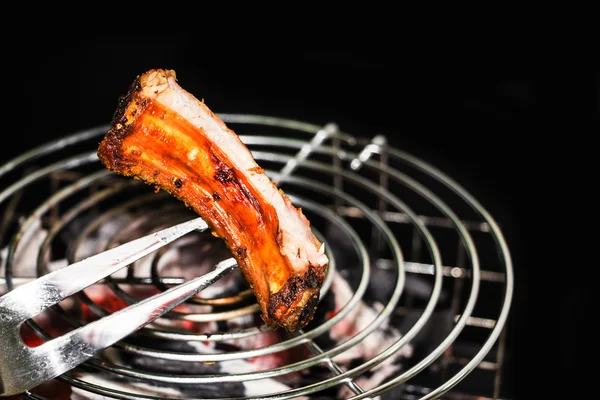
point(465, 107)
point(401, 314)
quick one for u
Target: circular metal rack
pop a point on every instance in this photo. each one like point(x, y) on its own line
point(406, 241)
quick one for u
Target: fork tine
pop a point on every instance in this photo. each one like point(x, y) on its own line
point(81, 344)
point(34, 297)
point(34, 366)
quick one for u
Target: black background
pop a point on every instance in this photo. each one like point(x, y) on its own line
point(485, 118)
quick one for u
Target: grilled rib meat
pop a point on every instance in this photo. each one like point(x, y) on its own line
point(164, 136)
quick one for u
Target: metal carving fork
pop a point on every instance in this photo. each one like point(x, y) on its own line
point(23, 367)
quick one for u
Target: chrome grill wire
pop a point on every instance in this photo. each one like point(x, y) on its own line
point(341, 148)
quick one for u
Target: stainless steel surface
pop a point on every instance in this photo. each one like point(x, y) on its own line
point(400, 218)
point(23, 368)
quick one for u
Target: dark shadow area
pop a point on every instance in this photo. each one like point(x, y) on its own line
point(482, 121)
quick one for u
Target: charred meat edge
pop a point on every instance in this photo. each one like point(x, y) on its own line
point(224, 196)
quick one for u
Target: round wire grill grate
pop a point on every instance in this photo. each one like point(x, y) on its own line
point(415, 300)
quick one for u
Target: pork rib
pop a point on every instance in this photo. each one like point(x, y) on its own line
point(164, 136)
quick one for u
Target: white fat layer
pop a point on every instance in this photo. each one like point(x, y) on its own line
point(295, 230)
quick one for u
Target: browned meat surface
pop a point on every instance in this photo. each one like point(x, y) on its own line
point(164, 136)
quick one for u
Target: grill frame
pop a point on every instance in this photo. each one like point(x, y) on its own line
point(360, 153)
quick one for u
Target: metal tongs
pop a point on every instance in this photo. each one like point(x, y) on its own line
point(23, 367)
